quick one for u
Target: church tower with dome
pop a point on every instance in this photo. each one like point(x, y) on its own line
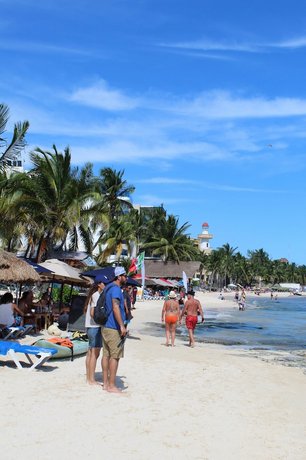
point(204, 239)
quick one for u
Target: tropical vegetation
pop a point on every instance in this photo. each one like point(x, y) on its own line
point(226, 266)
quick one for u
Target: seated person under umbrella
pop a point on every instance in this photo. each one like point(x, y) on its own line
point(10, 314)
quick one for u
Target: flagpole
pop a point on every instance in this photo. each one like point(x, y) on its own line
point(141, 268)
point(185, 281)
point(143, 276)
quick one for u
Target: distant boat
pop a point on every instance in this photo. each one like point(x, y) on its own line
point(297, 293)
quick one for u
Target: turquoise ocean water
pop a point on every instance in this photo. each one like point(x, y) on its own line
point(274, 331)
point(267, 329)
point(278, 325)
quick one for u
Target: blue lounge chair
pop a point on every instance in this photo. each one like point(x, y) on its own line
point(15, 332)
point(12, 348)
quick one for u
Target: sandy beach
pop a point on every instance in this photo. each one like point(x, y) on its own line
point(211, 402)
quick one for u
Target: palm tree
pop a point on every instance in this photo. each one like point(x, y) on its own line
point(121, 233)
point(205, 267)
point(11, 223)
point(17, 143)
point(114, 192)
point(227, 260)
point(171, 242)
point(260, 264)
point(154, 220)
point(54, 194)
point(214, 268)
point(241, 270)
point(302, 274)
point(277, 272)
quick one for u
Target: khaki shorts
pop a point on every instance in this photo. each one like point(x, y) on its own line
point(111, 339)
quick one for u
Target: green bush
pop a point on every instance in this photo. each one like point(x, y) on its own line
point(67, 293)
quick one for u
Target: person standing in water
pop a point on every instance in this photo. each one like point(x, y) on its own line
point(192, 309)
point(170, 315)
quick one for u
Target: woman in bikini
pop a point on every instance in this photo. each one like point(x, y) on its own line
point(170, 315)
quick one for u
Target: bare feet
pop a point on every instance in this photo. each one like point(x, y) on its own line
point(105, 386)
point(94, 382)
point(114, 390)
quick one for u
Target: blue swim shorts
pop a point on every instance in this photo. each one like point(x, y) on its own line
point(94, 337)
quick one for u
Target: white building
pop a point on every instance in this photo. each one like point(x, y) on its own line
point(204, 239)
point(12, 162)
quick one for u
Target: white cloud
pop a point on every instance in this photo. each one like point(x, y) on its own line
point(204, 185)
point(41, 47)
point(153, 200)
point(222, 104)
point(164, 181)
point(120, 151)
point(215, 126)
point(101, 96)
point(299, 42)
point(207, 45)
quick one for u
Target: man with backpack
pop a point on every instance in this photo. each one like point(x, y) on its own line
point(114, 331)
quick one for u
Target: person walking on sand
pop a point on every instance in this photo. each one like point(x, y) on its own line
point(114, 331)
point(170, 315)
point(93, 331)
point(134, 297)
point(192, 309)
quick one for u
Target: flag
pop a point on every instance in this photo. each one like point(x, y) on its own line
point(140, 261)
point(185, 281)
point(143, 275)
point(133, 266)
point(141, 268)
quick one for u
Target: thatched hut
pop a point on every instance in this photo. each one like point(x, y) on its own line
point(170, 269)
point(15, 270)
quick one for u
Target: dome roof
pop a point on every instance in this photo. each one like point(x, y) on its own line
point(205, 224)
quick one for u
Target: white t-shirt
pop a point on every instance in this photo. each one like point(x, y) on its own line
point(6, 314)
point(89, 321)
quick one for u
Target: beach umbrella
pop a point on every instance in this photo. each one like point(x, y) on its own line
point(161, 282)
point(38, 268)
point(108, 274)
point(131, 282)
point(62, 273)
point(16, 270)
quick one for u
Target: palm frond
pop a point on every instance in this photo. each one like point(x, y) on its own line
point(18, 141)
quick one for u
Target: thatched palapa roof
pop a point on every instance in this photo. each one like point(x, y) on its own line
point(160, 269)
point(15, 270)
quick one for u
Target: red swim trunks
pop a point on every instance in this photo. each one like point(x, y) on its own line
point(191, 322)
point(171, 319)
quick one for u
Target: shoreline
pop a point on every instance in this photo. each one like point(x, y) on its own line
point(288, 357)
point(207, 403)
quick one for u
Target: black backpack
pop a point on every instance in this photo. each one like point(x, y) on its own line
point(101, 315)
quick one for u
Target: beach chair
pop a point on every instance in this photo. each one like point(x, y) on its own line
point(8, 332)
point(12, 348)
point(15, 332)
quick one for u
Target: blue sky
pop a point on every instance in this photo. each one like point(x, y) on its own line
point(202, 103)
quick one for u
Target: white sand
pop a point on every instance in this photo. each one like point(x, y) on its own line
point(210, 402)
